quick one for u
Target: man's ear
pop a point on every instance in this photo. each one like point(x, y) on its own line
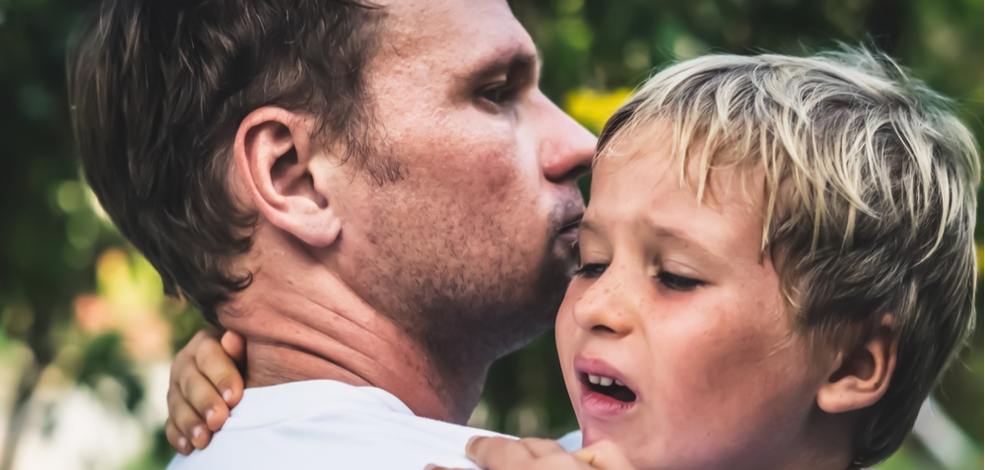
point(860, 377)
point(276, 161)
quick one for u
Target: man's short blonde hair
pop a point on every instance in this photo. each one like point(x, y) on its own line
point(870, 196)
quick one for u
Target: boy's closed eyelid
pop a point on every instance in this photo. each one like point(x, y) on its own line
point(679, 283)
point(680, 268)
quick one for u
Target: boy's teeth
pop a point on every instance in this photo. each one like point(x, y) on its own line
point(604, 381)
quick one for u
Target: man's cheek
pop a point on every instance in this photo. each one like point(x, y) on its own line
point(497, 171)
point(471, 167)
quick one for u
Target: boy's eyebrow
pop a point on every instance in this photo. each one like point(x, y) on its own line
point(692, 244)
point(587, 225)
point(661, 231)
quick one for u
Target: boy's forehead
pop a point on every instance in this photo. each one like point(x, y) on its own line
point(641, 163)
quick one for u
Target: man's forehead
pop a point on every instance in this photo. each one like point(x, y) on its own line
point(457, 35)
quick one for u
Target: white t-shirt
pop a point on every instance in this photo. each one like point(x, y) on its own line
point(324, 424)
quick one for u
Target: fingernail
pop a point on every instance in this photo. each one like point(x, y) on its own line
point(431, 466)
point(197, 432)
point(209, 414)
point(227, 395)
point(182, 444)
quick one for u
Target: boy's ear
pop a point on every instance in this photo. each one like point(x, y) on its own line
point(278, 165)
point(860, 377)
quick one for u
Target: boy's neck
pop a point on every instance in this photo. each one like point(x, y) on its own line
point(826, 444)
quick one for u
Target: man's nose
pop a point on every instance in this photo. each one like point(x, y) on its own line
point(568, 147)
point(606, 308)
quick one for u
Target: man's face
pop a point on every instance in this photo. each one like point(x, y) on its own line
point(468, 248)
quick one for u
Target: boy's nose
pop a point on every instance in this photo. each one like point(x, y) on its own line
point(606, 308)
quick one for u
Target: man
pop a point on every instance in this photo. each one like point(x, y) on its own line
point(377, 197)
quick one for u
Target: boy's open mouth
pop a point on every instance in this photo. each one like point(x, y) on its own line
point(609, 387)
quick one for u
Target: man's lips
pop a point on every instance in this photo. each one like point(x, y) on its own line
point(571, 222)
point(605, 391)
point(568, 232)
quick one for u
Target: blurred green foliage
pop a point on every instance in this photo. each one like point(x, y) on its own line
point(69, 284)
point(105, 356)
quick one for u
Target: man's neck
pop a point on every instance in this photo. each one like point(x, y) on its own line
point(307, 324)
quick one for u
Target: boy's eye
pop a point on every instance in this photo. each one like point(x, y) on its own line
point(680, 283)
point(591, 270)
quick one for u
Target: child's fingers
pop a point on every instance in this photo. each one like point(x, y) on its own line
point(205, 399)
point(214, 362)
point(498, 453)
point(542, 447)
point(176, 438)
point(188, 422)
point(235, 346)
point(603, 455)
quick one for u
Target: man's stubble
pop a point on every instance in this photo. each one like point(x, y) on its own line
point(457, 279)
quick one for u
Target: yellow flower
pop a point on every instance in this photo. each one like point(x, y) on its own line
point(592, 108)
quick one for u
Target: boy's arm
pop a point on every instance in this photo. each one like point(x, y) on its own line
point(205, 385)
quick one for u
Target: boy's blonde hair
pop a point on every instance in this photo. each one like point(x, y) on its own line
point(870, 200)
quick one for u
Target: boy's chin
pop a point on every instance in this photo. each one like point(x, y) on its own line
point(593, 434)
point(638, 456)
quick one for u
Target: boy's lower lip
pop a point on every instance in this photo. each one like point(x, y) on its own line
point(602, 406)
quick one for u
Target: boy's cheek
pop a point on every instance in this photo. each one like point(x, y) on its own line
point(565, 331)
point(564, 323)
point(725, 390)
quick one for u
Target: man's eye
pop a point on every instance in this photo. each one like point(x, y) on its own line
point(591, 270)
point(498, 93)
point(680, 283)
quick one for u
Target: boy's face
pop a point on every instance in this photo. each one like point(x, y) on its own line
point(676, 301)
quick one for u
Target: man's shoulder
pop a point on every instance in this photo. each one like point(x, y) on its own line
point(353, 431)
point(338, 439)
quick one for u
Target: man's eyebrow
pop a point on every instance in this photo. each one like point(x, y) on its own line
point(503, 61)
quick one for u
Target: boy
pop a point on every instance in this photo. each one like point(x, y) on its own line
point(777, 265)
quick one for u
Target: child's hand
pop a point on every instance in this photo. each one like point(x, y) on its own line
point(205, 385)
point(500, 453)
